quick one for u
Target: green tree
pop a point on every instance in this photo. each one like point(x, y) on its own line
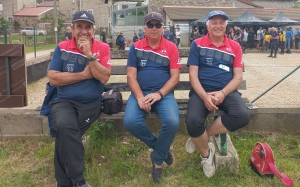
point(140, 13)
point(3, 21)
point(60, 22)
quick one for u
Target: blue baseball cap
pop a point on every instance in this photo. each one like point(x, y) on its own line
point(216, 13)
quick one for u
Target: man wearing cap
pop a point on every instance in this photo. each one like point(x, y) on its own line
point(79, 68)
point(152, 73)
point(215, 72)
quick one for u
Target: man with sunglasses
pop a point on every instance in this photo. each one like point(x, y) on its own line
point(79, 68)
point(215, 71)
point(153, 70)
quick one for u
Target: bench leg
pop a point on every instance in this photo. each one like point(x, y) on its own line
point(221, 142)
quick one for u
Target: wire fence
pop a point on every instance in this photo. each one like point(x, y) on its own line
point(271, 82)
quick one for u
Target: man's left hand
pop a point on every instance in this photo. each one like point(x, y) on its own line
point(219, 95)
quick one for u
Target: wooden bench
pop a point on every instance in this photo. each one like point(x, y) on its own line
point(182, 102)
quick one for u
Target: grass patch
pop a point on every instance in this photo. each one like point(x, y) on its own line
point(119, 160)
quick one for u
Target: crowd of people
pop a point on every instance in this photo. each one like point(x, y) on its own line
point(269, 39)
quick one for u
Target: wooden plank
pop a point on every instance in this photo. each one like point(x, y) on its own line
point(9, 101)
point(121, 70)
point(182, 85)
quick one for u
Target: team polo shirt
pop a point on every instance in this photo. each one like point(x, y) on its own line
point(153, 65)
point(215, 63)
point(68, 58)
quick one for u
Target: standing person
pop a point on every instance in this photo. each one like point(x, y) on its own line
point(237, 34)
point(282, 40)
point(103, 36)
point(168, 35)
point(141, 34)
point(120, 41)
point(267, 39)
point(297, 38)
point(68, 33)
point(135, 37)
point(251, 36)
point(274, 42)
point(244, 40)
point(230, 34)
point(215, 71)
point(259, 38)
point(195, 34)
point(79, 68)
point(152, 81)
point(288, 36)
point(177, 37)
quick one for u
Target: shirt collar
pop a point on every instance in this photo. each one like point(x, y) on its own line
point(207, 40)
point(162, 43)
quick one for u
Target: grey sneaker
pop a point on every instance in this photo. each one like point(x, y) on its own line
point(190, 147)
point(208, 163)
point(85, 185)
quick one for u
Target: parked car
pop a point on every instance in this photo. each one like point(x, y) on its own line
point(29, 31)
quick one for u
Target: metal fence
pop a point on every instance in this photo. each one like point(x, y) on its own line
point(271, 82)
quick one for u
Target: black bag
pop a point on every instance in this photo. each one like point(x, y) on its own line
point(112, 102)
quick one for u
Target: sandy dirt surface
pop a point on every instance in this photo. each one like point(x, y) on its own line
point(261, 74)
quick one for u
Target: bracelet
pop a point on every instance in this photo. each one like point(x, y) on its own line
point(223, 93)
point(160, 94)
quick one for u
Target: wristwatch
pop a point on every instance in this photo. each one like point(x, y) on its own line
point(93, 58)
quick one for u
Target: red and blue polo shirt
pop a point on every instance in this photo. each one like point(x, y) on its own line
point(215, 64)
point(68, 58)
point(153, 65)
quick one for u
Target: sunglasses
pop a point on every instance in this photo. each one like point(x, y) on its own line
point(157, 25)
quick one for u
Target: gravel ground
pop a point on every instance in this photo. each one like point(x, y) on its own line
point(261, 73)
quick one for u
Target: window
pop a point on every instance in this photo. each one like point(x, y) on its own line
point(1, 7)
point(73, 1)
point(90, 11)
point(10, 19)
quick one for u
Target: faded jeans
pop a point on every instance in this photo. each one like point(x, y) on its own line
point(167, 111)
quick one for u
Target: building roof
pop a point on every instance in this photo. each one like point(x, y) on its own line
point(33, 12)
point(248, 2)
point(193, 13)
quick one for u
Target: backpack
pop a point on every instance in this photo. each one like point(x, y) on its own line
point(118, 41)
point(112, 102)
point(262, 162)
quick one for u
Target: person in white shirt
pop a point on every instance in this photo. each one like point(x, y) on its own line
point(244, 40)
point(177, 37)
point(259, 38)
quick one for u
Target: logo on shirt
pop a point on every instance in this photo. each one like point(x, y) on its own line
point(143, 63)
point(228, 49)
point(163, 51)
point(209, 61)
point(70, 67)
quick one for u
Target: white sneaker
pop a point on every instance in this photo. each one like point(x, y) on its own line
point(190, 147)
point(208, 163)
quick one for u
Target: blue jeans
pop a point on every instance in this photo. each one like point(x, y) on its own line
point(288, 42)
point(167, 111)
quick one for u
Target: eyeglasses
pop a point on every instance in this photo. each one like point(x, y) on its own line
point(157, 25)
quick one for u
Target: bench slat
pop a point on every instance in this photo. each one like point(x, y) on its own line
point(182, 85)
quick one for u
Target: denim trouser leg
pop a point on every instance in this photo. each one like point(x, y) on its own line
point(167, 111)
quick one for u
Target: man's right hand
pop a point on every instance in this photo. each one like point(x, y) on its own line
point(210, 102)
point(143, 105)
